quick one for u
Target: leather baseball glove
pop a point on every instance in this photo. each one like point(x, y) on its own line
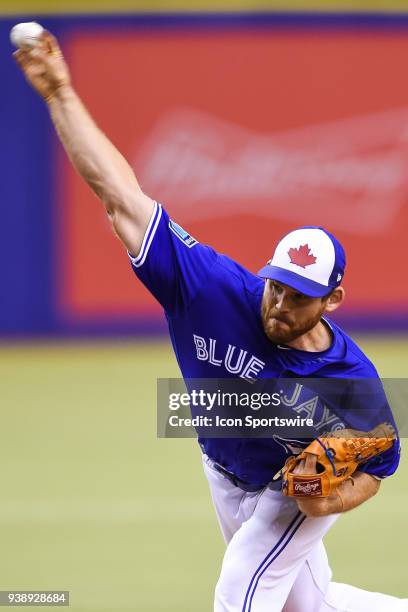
point(338, 455)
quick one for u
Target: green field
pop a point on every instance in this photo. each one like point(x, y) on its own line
point(93, 503)
point(98, 6)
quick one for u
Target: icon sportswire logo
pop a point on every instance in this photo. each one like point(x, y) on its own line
point(352, 173)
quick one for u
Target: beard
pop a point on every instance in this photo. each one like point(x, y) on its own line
point(282, 330)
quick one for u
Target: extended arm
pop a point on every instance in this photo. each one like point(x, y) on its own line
point(101, 165)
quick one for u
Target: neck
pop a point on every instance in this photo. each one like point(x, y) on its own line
point(318, 339)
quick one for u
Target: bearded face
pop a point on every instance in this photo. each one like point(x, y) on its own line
point(287, 313)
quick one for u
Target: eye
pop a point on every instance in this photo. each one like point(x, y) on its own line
point(276, 290)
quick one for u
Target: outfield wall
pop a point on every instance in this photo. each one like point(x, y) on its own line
point(243, 125)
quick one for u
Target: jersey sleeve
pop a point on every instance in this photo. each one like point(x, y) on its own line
point(369, 408)
point(171, 263)
point(383, 465)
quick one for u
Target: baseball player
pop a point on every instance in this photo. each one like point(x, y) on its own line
point(226, 322)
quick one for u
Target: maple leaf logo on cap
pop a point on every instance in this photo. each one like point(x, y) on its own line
point(302, 256)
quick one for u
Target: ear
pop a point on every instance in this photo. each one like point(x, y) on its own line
point(335, 299)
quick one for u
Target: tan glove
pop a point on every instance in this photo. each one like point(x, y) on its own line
point(337, 458)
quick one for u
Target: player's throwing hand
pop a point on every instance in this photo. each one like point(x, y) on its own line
point(44, 66)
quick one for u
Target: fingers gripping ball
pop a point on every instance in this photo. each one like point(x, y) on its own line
point(337, 458)
point(26, 35)
point(44, 66)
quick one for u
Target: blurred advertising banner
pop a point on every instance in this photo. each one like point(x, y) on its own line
point(243, 136)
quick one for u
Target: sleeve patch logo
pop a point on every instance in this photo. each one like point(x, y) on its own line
point(182, 235)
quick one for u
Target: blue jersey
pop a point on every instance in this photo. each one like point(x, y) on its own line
point(213, 308)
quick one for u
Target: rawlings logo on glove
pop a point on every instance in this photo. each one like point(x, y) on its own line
point(311, 487)
point(338, 455)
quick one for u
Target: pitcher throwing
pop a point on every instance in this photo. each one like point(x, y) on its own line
point(227, 322)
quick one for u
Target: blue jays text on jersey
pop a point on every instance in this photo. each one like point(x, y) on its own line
point(213, 309)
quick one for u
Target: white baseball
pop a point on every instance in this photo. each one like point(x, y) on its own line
point(26, 34)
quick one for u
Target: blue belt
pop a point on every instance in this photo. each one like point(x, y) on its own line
point(243, 484)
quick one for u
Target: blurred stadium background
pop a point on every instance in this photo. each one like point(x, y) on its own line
point(244, 124)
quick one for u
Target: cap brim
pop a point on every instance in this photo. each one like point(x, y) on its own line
point(295, 281)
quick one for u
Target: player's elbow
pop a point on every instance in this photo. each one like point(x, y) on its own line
point(375, 485)
point(121, 203)
point(365, 485)
point(130, 219)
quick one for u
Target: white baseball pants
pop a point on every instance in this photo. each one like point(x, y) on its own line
point(275, 559)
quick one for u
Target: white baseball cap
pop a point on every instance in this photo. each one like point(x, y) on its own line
point(309, 259)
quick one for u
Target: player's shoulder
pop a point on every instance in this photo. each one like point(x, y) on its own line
point(357, 362)
point(225, 269)
point(239, 275)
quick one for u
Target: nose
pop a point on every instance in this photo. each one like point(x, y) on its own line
point(281, 303)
